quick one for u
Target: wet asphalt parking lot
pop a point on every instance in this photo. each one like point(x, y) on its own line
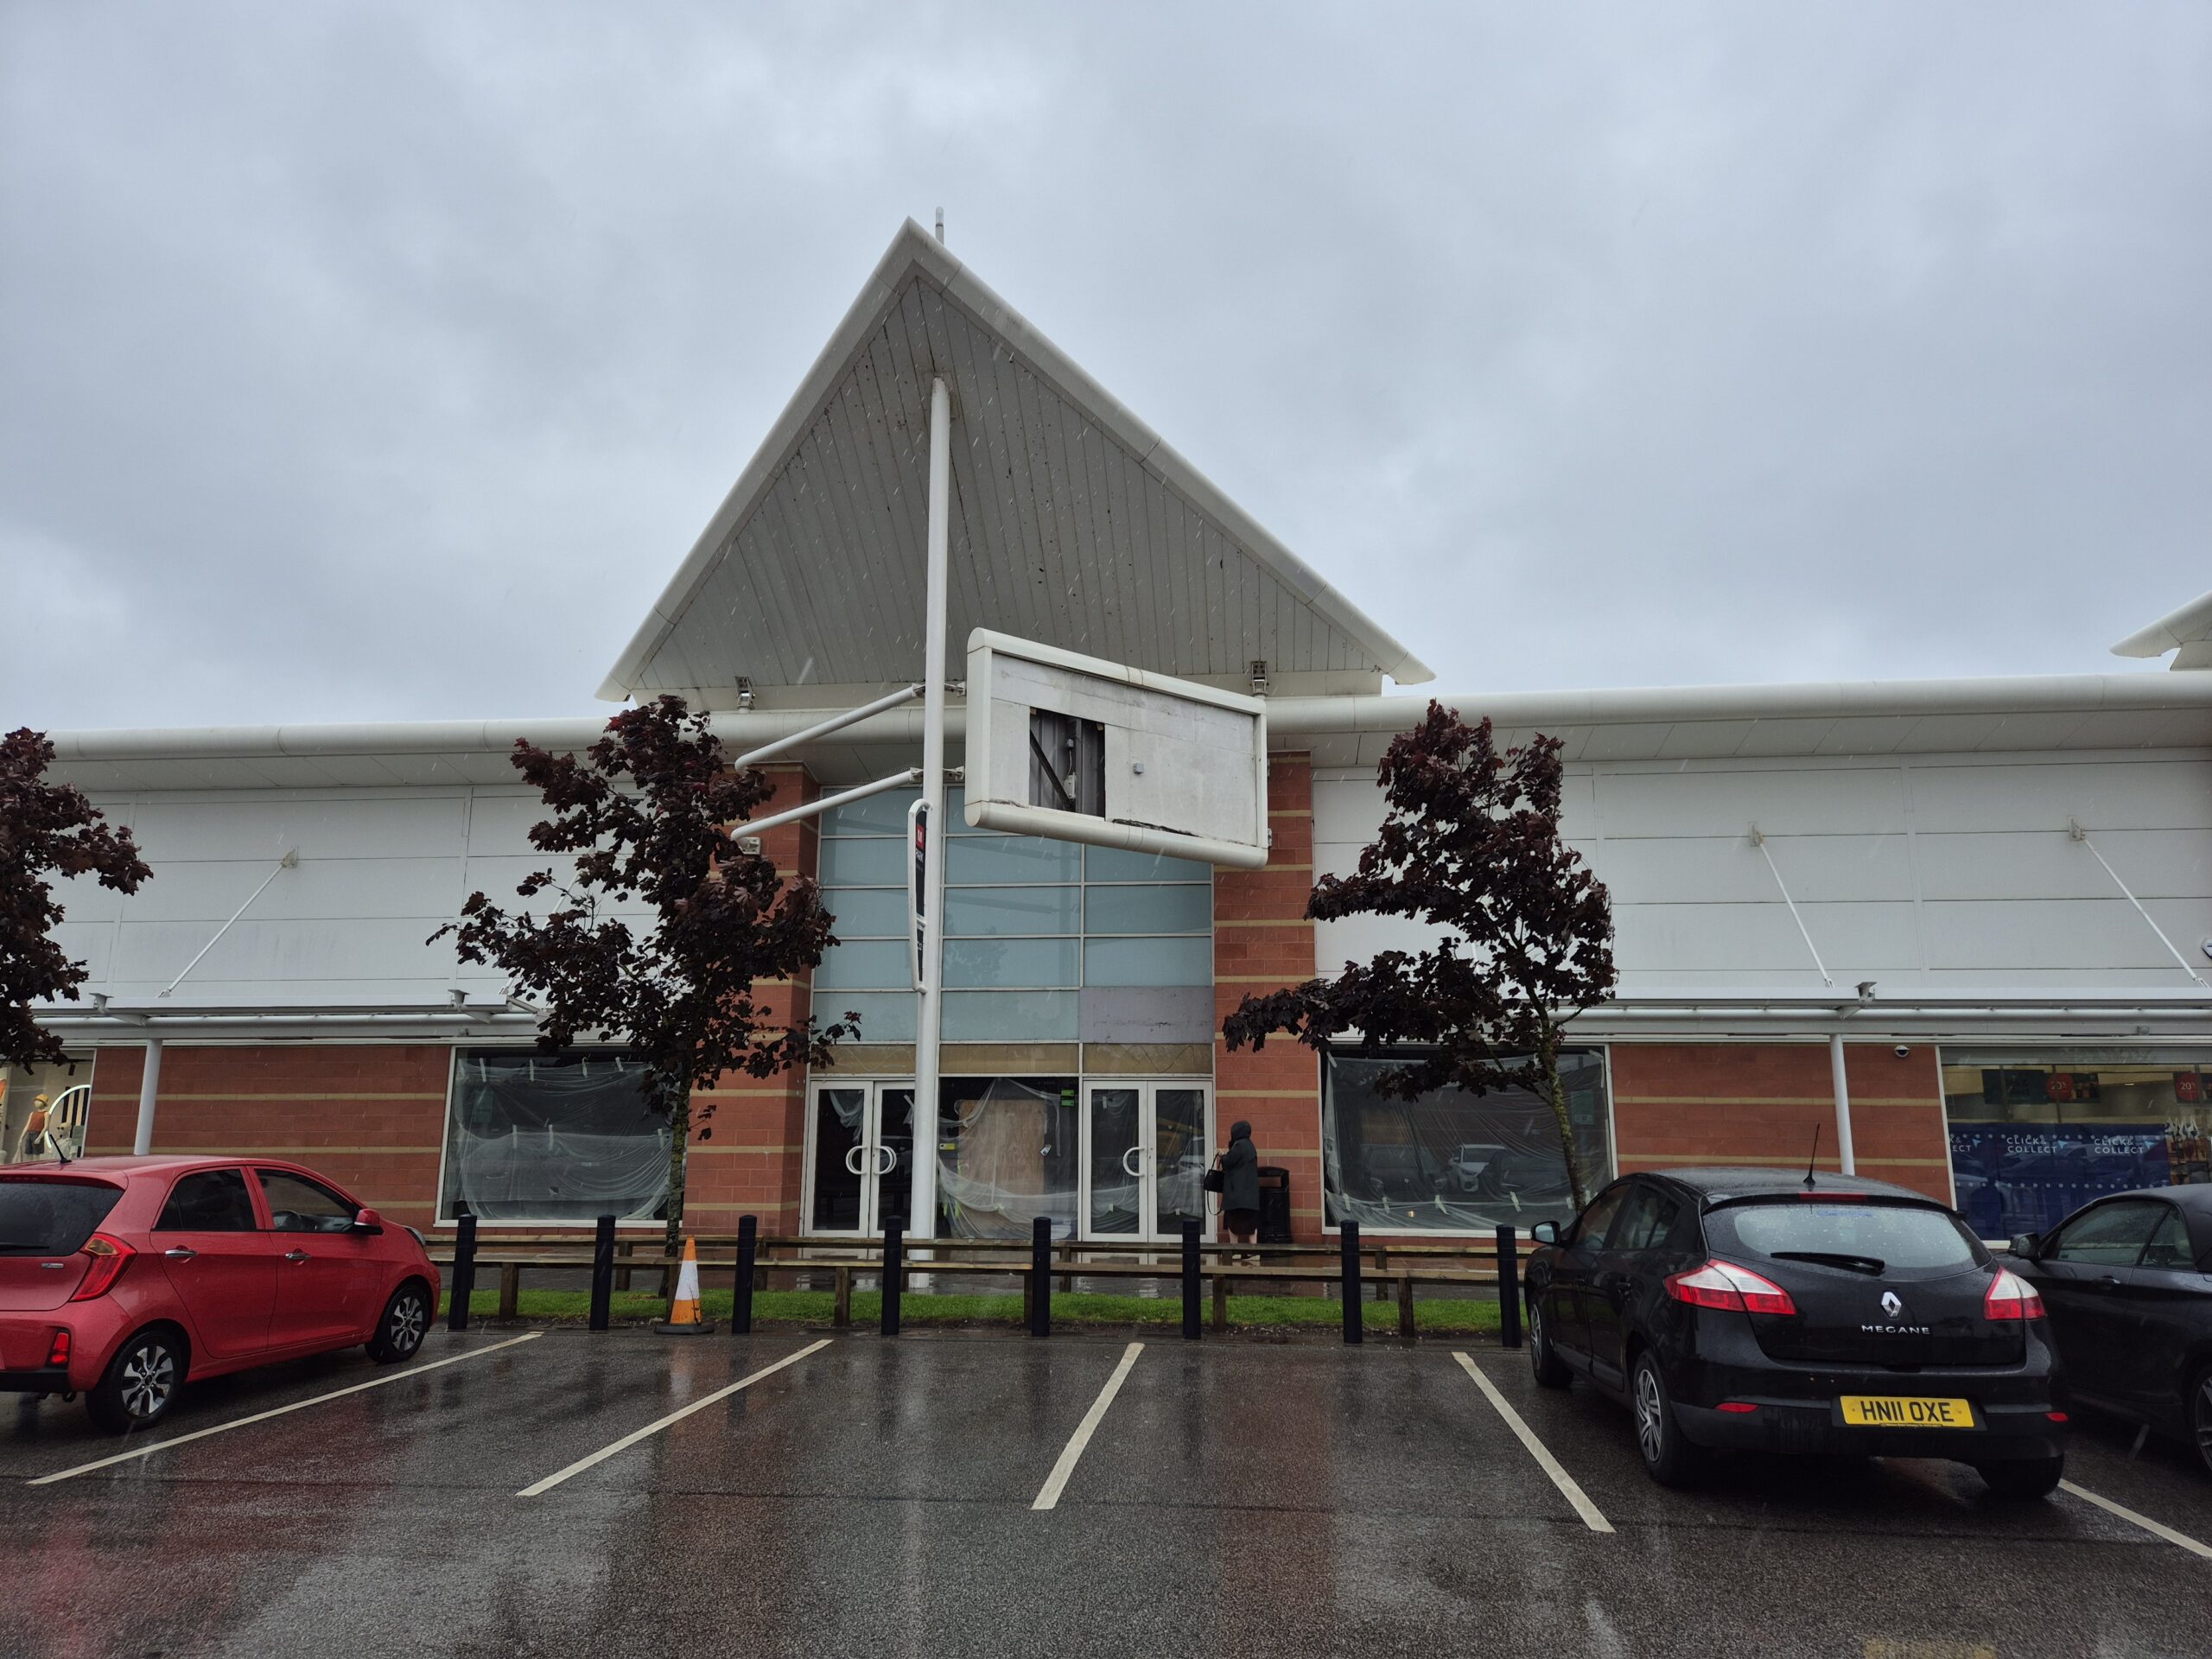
point(958, 1494)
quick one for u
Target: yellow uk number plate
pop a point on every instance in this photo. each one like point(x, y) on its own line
point(1900, 1411)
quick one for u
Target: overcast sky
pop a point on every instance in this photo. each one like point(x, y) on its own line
point(383, 361)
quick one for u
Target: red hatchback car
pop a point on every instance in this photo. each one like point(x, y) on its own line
point(123, 1278)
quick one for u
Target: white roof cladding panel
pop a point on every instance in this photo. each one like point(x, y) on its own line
point(1072, 525)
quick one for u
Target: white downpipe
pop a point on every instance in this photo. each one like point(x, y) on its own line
point(930, 1003)
point(149, 1088)
point(1842, 1105)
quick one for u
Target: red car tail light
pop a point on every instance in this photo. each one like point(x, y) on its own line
point(1741, 1408)
point(57, 1351)
point(1723, 1284)
point(110, 1257)
point(2011, 1297)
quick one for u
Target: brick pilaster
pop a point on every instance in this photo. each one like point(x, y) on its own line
point(1261, 942)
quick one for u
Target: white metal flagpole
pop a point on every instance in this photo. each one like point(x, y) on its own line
point(928, 1011)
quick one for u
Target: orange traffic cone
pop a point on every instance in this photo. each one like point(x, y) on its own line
point(685, 1318)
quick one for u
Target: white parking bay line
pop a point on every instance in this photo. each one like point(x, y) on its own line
point(263, 1416)
point(655, 1427)
point(1048, 1495)
point(2143, 1521)
point(1550, 1464)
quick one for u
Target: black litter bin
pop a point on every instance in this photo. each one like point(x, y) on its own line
point(1274, 1205)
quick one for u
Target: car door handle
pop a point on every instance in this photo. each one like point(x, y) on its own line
point(295, 1254)
point(2110, 1281)
point(180, 1253)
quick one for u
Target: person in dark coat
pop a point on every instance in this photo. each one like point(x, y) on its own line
point(1240, 1184)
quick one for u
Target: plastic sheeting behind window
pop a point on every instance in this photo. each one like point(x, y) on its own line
point(1451, 1162)
point(1007, 1152)
point(553, 1137)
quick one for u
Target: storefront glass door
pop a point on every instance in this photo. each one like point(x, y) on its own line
point(1145, 1158)
point(861, 1157)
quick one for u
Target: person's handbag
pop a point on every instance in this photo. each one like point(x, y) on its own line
point(1212, 1182)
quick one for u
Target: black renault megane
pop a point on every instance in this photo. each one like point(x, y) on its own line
point(1759, 1310)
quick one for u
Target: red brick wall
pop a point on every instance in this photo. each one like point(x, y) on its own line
point(1261, 941)
point(1682, 1104)
point(749, 1161)
point(371, 1116)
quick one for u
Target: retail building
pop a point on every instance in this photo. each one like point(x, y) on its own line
point(1997, 893)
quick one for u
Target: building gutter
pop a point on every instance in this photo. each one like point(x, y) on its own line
point(1287, 716)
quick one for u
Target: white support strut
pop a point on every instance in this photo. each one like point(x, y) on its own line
point(290, 861)
point(815, 808)
point(929, 1012)
point(1759, 841)
point(1845, 1156)
point(2079, 834)
point(835, 723)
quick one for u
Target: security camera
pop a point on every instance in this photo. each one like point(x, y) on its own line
point(1904, 1049)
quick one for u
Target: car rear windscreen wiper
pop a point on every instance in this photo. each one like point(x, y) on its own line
point(1868, 1264)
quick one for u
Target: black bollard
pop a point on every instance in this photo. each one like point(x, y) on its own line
point(1041, 1277)
point(748, 1255)
point(1190, 1278)
point(1355, 1326)
point(1508, 1287)
point(464, 1273)
point(895, 1263)
point(602, 1272)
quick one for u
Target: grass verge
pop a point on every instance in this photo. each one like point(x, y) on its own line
point(1439, 1316)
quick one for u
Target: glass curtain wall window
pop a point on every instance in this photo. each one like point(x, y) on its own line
point(1030, 925)
point(1455, 1162)
point(1043, 941)
point(2036, 1136)
point(562, 1137)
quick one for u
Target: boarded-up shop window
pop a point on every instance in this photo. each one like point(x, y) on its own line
point(565, 1137)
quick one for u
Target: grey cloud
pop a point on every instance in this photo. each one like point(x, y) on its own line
point(382, 361)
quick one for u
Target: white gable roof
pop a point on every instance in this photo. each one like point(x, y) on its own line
point(1073, 523)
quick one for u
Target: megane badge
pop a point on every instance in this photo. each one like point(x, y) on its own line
point(1891, 1305)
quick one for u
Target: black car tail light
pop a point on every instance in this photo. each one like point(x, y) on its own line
point(1725, 1285)
point(2011, 1297)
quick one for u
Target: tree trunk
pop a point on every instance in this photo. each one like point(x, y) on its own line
point(1548, 1060)
point(679, 1147)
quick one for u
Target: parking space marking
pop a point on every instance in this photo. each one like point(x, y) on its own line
point(2156, 1528)
point(635, 1436)
point(1573, 1494)
point(279, 1411)
point(1048, 1495)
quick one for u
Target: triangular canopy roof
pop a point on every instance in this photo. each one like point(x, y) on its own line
point(1073, 524)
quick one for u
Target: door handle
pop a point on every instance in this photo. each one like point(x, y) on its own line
point(295, 1254)
point(2110, 1281)
point(1133, 1151)
point(853, 1158)
point(890, 1162)
point(180, 1253)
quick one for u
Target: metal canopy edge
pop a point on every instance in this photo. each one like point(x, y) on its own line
point(913, 251)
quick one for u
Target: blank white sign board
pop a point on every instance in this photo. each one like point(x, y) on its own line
point(1082, 749)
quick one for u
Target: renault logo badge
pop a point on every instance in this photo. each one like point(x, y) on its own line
point(1891, 1305)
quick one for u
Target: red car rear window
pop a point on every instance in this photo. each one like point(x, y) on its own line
point(43, 1216)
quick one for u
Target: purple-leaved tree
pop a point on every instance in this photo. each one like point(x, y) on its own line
point(46, 829)
point(651, 813)
point(1470, 845)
